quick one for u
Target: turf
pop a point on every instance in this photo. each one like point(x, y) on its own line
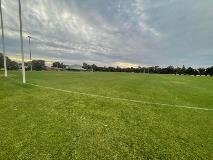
point(39, 123)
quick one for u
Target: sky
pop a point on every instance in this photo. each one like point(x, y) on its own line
point(125, 33)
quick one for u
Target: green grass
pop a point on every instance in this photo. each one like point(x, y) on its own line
point(38, 123)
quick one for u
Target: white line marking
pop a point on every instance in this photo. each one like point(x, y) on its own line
point(121, 99)
point(8, 76)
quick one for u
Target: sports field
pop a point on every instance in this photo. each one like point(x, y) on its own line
point(73, 115)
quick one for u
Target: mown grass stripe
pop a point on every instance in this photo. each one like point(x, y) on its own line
point(122, 99)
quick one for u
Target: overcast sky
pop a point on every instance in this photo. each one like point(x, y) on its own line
point(114, 32)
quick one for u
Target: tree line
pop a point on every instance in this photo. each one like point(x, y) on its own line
point(153, 70)
point(39, 65)
point(11, 65)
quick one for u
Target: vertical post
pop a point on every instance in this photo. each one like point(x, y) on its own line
point(22, 47)
point(3, 42)
point(31, 65)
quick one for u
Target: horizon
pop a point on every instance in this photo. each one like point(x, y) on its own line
point(49, 63)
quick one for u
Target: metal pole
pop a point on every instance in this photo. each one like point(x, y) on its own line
point(3, 42)
point(31, 65)
point(22, 47)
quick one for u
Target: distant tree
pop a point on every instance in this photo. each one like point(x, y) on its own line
point(85, 66)
point(27, 65)
point(111, 69)
point(11, 65)
point(210, 71)
point(157, 69)
point(38, 65)
point(118, 69)
point(183, 70)
point(94, 68)
point(189, 71)
point(89, 67)
point(202, 71)
point(196, 72)
point(1, 61)
point(58, 65)
point(153, 69)
point(170, 70)
point(178, 71)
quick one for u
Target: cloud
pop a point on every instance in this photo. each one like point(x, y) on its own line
point(123, 65)
point(113, 32)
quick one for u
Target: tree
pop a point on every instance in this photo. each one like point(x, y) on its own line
point(178, 70)
point(170, 70)
point(210, 71)
point(85, 66)
point(118, 69)
point(1, 60)
point(11, 65)
point(183, 70)
point(190, 71)
point(196, 72)
point(94, 68)
point(157, 69)
point(202, 71)
point(153, 69)
point(58, 65)
point(38, 65)
point(91, 67)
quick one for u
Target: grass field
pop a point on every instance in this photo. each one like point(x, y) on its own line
point(42, 123)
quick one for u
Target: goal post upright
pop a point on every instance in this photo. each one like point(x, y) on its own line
point(3, 42)
point(22, 47)
point(31, 65)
